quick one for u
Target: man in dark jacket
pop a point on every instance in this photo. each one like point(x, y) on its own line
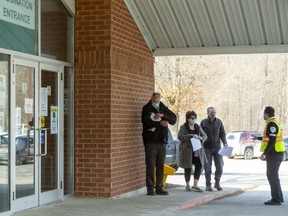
point(215, 132)
point(155, 119)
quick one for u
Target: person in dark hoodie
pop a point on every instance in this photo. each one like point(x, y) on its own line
point(214, 129)
point(155, 120)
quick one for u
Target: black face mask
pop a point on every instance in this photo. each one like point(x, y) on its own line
point(212, 116)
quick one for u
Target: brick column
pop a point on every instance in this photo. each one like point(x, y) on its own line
point(113, 79)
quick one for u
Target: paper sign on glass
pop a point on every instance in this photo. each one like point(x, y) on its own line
point(28, 106)
point(54, 119)
point(196, 144)
point(44, 101)
point(226, 151)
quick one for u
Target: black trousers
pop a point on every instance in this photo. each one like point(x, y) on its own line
point(155, 154)
point(197, 172)
point(273, 163)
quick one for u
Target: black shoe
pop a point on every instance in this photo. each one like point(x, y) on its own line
point(270, 202)
point(151, 193)
point(188, 189)
point(209, 188)
point(162, 192)
point(217, 186)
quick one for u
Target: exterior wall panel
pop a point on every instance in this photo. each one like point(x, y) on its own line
point(114, 78)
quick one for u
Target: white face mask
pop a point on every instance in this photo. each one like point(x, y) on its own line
point(155, 105)
point(192, 121)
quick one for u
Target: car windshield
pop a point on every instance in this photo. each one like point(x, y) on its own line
point(231, 137)
point(21, 142)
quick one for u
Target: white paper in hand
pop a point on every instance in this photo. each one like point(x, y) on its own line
point(196, 144)
point(226, 151)
point(152, 117)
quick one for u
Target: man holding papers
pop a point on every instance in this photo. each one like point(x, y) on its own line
point(214, 129)
point(191, 136)
point(155, 119)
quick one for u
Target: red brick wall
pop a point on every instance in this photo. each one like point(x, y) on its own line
point(114, 78)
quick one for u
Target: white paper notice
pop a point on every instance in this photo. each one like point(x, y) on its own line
point(226, 151)
point(44, 101)
point(54, 119)
point(28, 105)
point(196, 144)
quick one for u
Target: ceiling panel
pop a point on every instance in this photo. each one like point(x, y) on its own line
point(199, 27)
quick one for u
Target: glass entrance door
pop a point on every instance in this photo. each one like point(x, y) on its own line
point(23, 141)
point(35, 141)
point(50, 148)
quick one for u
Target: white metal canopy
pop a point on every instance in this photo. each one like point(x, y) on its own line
point(205, 27)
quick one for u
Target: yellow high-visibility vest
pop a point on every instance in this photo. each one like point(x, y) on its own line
point(279, 145)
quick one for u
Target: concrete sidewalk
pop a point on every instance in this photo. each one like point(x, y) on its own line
point(137, 203)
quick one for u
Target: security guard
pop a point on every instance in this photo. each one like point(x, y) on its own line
point(272, 147)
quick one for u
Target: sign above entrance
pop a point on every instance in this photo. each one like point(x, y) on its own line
point(19, 12)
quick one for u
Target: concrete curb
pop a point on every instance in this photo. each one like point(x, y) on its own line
point(210, 197)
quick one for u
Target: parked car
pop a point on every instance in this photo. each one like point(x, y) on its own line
point(286, 148)
point(3, 147)
point(24, 148)
point(243, 144)
point(172, 151)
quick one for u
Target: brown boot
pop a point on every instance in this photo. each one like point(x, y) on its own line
point(217, 186)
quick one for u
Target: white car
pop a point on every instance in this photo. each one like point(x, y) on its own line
point(243, 144)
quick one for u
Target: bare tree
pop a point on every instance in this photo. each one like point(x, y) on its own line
point(238, 86)
point(266, 81)
point(283, 92)
point(176, 78)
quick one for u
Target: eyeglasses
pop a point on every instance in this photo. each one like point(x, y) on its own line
point(193, 118)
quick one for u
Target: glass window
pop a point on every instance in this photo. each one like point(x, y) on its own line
point(19, 32)
point(4, 133)
point(56, 31)
point(68, 131)
point(231, 137)
point(243, 137)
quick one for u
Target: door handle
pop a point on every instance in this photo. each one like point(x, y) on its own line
point(43, 139)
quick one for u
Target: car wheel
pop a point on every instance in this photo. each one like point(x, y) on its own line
point(248, 154)
point(18, 159)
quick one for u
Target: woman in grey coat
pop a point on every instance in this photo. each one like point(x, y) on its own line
point(187, 156)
